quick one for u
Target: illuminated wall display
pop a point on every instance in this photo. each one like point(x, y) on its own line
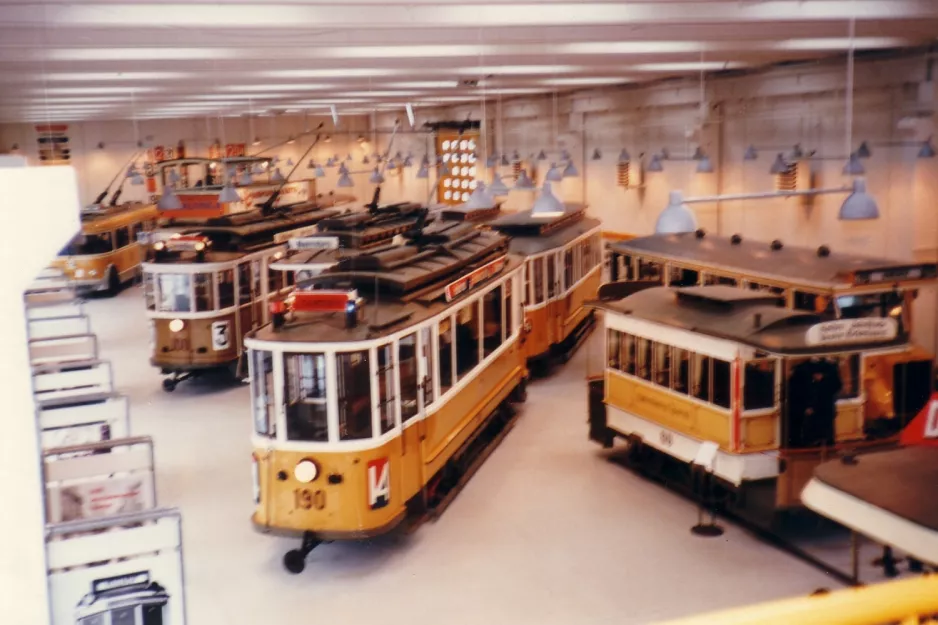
point(458, 151)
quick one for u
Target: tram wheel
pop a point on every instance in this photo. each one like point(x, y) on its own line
point(294, 561)
point(113, 282)
point(169, 385)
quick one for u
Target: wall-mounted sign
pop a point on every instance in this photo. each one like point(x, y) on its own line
point(53, 144)
point(868, 329)
point(468, 282)
point(301, 242)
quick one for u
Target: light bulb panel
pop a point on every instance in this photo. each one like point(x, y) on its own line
point(456, 167)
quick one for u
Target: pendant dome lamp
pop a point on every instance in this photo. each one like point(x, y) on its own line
point(505, 161)
point(554, 174)
point(276, 176)
point(859, 205)
point(424, 171)
point(853, 166)
point(624, 156)
point(246, 177)
point(655, 164)
point(376, 177)
point(498, 186)
point(597, 154)
point(751, 153)
point(169, 200)
point(228, 194)
point(676, 217)
point(345, 181)
point(480, 197)
point(570, 171)
point(704, 166)
point(541, 156)
point(343, 169)
point(524, 182)
point(547, 204)
point(491, 161)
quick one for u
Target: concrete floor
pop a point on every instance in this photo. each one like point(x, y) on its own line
point(547, 531)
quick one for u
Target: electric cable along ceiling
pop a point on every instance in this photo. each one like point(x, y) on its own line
point(76, 61)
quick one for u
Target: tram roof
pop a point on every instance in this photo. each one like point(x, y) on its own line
point(887, 496)
point(787, 265)
point(730, 313)
point(103, 218)
point(402, 284)
point(202, 160)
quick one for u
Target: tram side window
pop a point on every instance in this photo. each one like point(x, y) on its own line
point(568, 276)
point(429, 354)
point(538, 268)
point(122, 237)
point(759, 384)
point(467, 339)
point(204, 292)
point(274, 280)
point(627, 354)
point(628, 268)
point(551, 260)
point(721, 383)
point(613, 338)
point(681, 375)
point(244, 283)
point(678, 276)
point(263, 390)
point(508, 326)
point(446, 355)
point(385, 373)
point(701, 377)
point(492, 320)
point(643, 358)
point(648, 270)
point(407, 369)
point(306, 397)
point(526, 296)
point(225, 288)
point(174, 292)
point(662, 362)
point(805, 301)
point(712, 279)
point(353, 379)
point(149, 290)
point(849, 366)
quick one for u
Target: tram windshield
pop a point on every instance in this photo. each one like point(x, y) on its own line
point(890, 304)
point(83, 244)
point(174, 292)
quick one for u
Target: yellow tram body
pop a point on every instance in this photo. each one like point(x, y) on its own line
point(401, 386)
point(209, 282)
point(775, 390)
point(107, 253)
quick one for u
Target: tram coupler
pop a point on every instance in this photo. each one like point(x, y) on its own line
point(169, 384)
point(295, 559)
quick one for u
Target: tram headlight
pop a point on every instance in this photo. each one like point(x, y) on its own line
point(93, 273)
point(199, 246)
point(305, 471)
point(176, 325)
point(79, 273)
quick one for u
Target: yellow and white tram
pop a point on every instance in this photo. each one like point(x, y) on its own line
point(562, 253)
point(381, 382)
point(776, 390)
point(208, 282)
point(837, 285)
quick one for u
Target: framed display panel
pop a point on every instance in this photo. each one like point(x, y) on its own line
point(102, 479)
point(91, 418)
point(74, 381)
point(458, 151)
point(123, 569)
point(62, 349)
point(58, 326)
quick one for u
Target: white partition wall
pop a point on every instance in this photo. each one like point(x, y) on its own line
point(40, 199)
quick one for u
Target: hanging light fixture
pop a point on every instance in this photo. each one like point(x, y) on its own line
point(274, 160)
point(515, 156)
point(704, 166)
point(524, 182)
point(597, 155)
point(751, 153)
point(853, 166)
point(698, 154)
point(319, 172)
point(136, 179)
point(408, 161)
point(859, 205)
point(796, 152)
point(624, 156)
point(676, 217)
point(246, 177)
point(480, 197)
point(864, 150)
point(554, 174)
point(392, 164)
point(228, 194)
point(547, 204)
point(498, 186)
point(343, 169)
point(276, 176)
point(366, 160)
point(376, 177)
point(173, 176)
point(169, 200)
point(927, 150)
point(257, 141)
point(348, 157)
point(330, 162)
point(542, 156)
point(655, 164)
point(424, 171)
point(570, 171)
point(505, 161)
point(345, 181)
point(565, 155)
point(290, 162)
point(779, 165)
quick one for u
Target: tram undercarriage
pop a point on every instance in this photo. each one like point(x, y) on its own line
point(236, 370)
point(442, 488)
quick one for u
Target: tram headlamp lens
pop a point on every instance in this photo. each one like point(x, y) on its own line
point(79, 273)
point(176, 325)
point(305, 471)
point(159, 245)
point(200, 246)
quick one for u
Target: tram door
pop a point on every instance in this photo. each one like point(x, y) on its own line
point(809, 392)
point(555, 304)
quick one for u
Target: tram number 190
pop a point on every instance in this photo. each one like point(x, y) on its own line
point(305, 499)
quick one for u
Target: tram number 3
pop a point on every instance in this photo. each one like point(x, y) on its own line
point(666, 438)
point(221, 337)
point(305, 499)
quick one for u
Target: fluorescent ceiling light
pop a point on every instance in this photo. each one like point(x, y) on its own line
point(837, 43)
point(115, 76)
point(584, 81)
point(362, 72)
point(422, 84)
point(92, 90)
point(519, 69)
point(693, 66)
point(377, 94)
point(140, 54)
point(33, 100)
point(327, 102)
point(240, 97)
point(280, 87)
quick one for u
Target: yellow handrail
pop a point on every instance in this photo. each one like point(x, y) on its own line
point(901, 601)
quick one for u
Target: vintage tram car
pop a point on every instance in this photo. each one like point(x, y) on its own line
point(208, 282)
point(382, 382)
point(132, 598)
